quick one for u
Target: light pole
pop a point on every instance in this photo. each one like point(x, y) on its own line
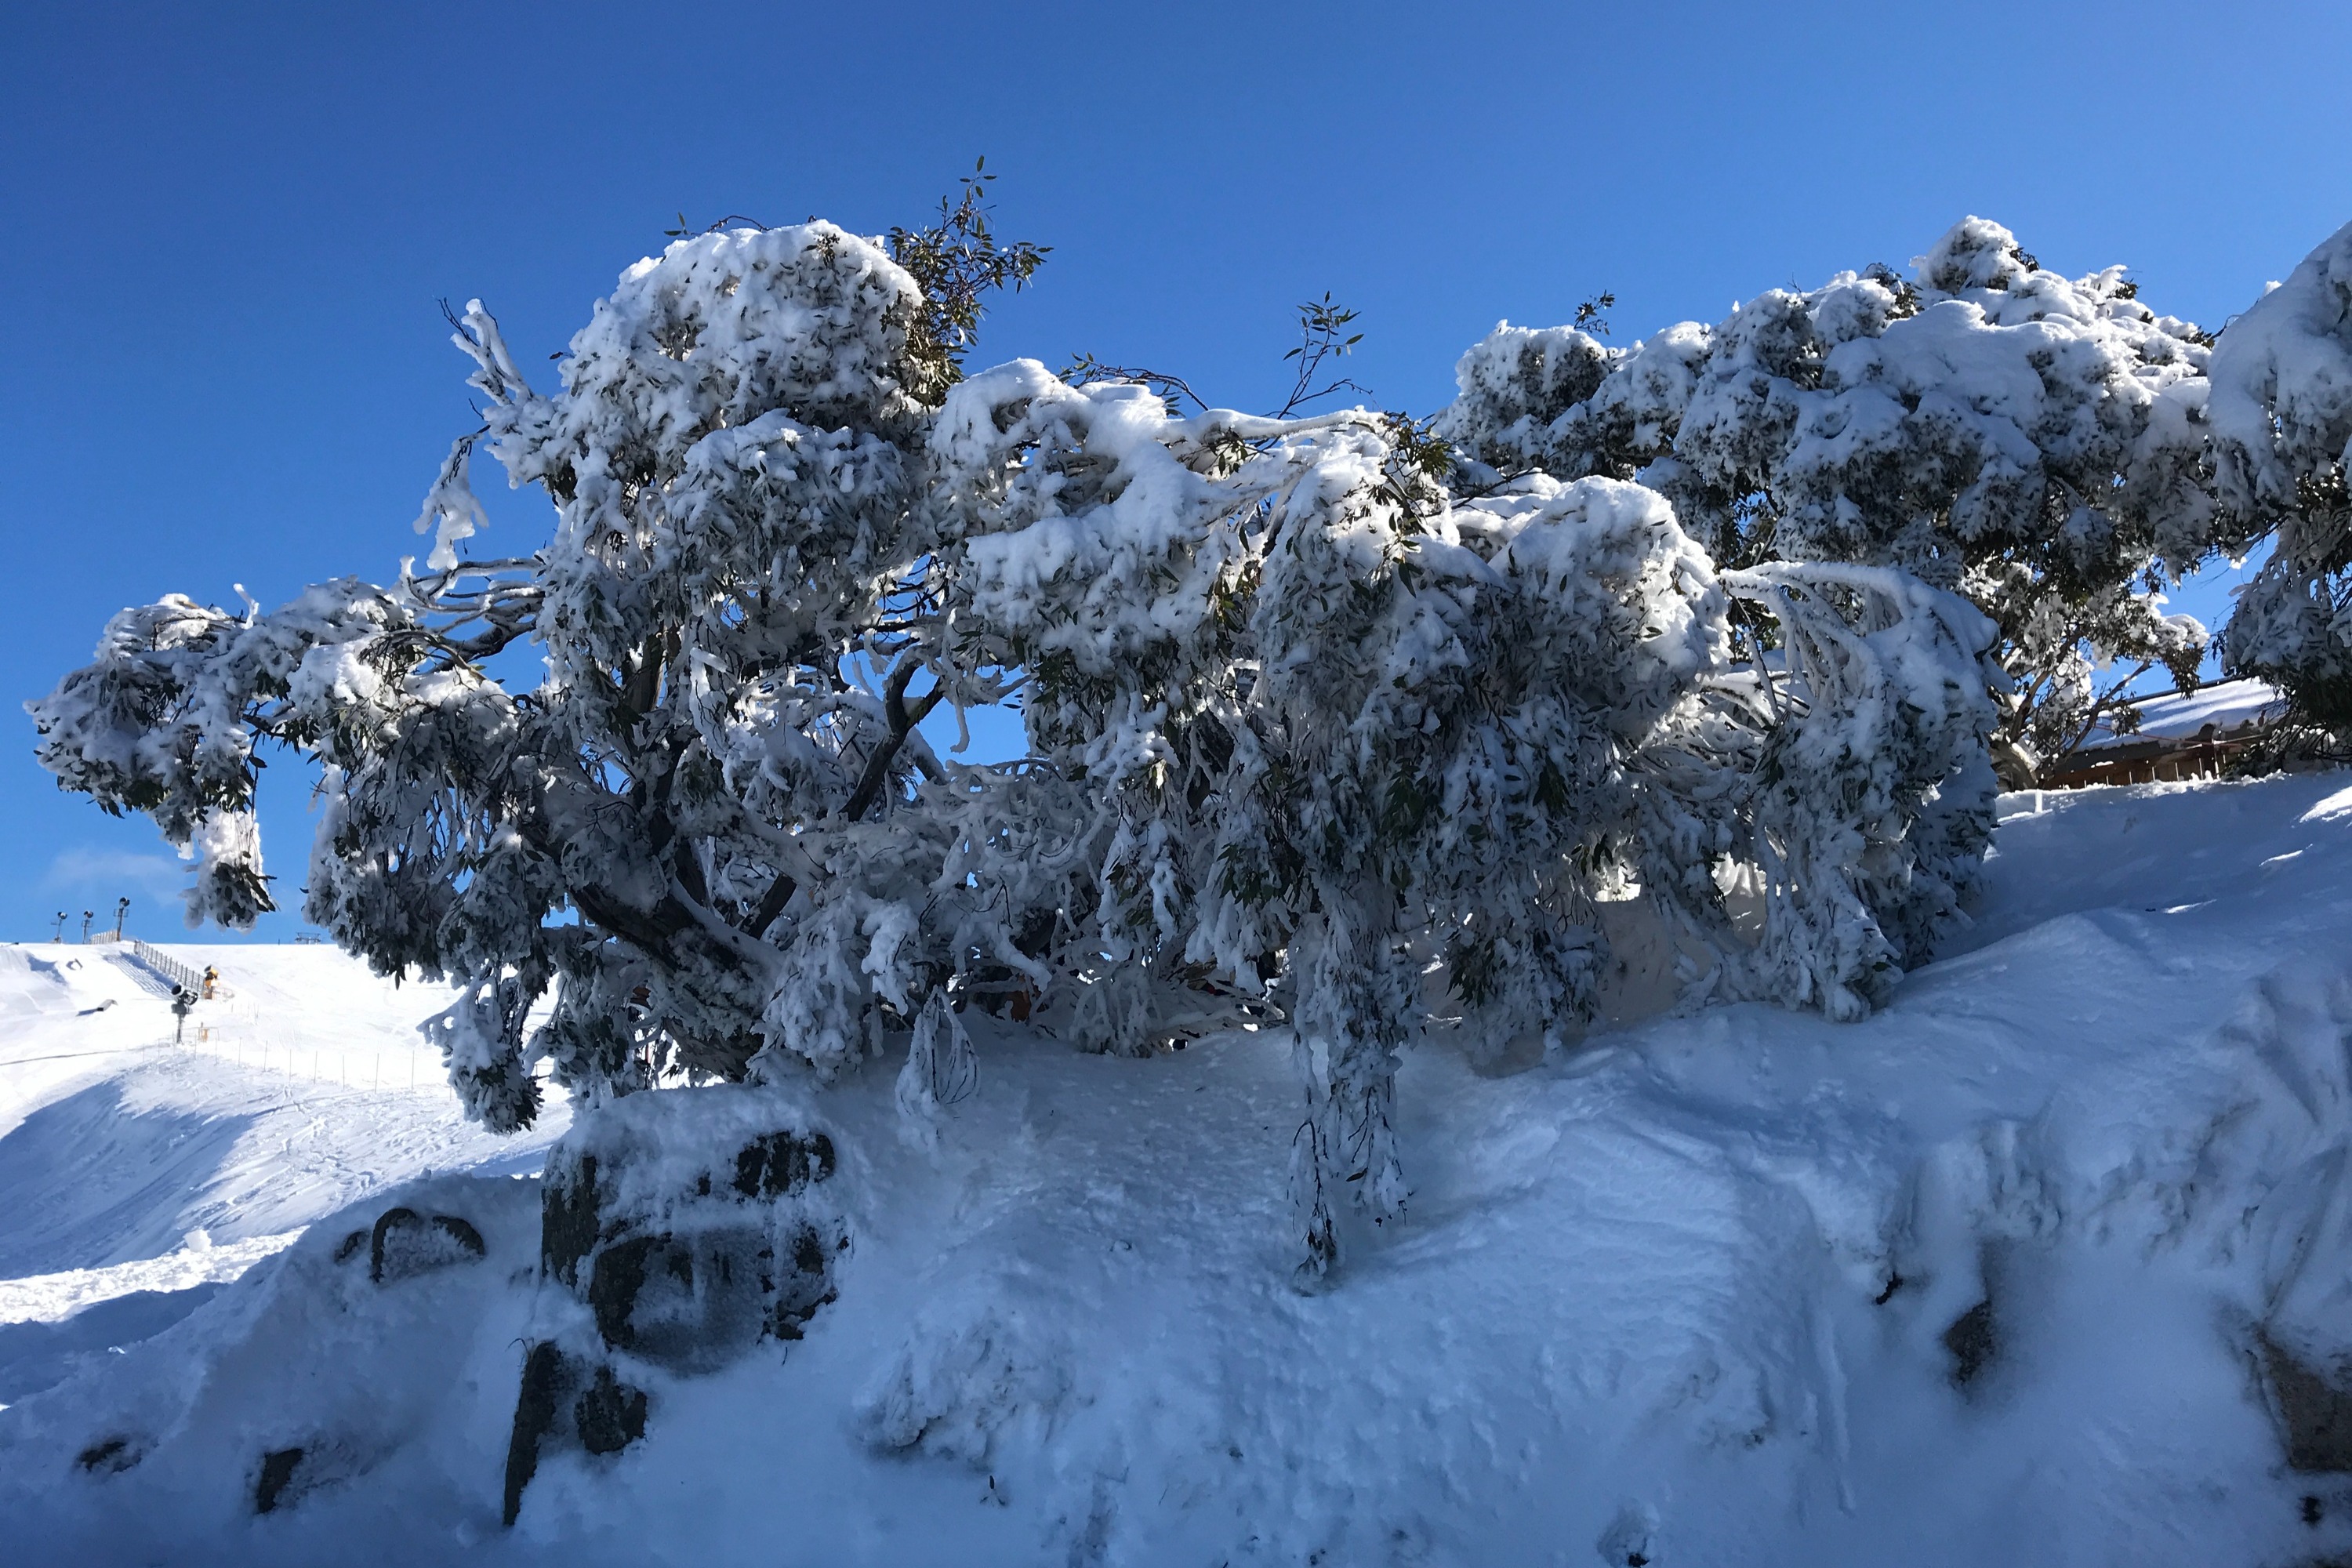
point(61, 925)
point(122, 908)
point(87, 916)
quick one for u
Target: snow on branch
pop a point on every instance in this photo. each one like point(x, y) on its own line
point(2282, 415)
point(2035, 443)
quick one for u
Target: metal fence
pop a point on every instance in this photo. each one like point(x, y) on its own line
point(167, 967)
point(233, 1034)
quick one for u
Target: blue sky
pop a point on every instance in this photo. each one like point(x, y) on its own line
point(227, 227)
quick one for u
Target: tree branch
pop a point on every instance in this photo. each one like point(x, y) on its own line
point(903, 717)
point(771, 904)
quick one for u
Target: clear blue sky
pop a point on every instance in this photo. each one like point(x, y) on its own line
point(227, 227)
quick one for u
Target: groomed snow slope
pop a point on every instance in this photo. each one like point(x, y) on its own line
point(1700, 1294)
point(141, 1173)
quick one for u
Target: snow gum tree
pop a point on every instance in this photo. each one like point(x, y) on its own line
point(2033, 443)
point(693, 821)
point(1368, 737)
point(1322, 723)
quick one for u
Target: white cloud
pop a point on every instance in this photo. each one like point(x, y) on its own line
point(112, 873)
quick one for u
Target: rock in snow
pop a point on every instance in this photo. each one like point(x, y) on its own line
point(2045, 1263)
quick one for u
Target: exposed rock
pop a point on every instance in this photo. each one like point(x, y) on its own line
point(277, 1473)
point(605, 1417)
point(568, 1218)
point(781, 1165)
point(689, 1262)
point(691, 1226)
point(460, 1231)
point(610, 1415)
point(804, 1284)
point(1971, 1341)
point(546, 1377)
point(110, 1457)
point(405, 1243)
point(2313, 1408)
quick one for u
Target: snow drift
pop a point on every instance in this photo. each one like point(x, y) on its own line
point(2045, 1263)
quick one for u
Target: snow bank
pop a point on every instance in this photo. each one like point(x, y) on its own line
point(2012, 1272)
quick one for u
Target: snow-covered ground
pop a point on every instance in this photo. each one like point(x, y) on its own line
point(1990, 1278)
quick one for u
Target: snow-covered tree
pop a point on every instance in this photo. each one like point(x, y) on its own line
point(1314, 730)
point(2282, 415)
point(2032, 442)
point(1364, 735)
point(697, 819)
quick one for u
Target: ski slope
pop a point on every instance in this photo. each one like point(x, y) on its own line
point(142, 1157)
point(1990, 1278)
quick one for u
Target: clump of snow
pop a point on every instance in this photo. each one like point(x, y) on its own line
point(983, 1381)
point(942, 1069)
point(2282, 406)
point(2282, 434)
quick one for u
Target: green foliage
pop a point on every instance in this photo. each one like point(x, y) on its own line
point(1323, 335)
point(957, 262)
point(1418, 448)
point(1086, 369)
